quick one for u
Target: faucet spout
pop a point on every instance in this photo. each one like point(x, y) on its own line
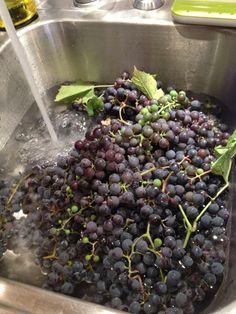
point(147, 4)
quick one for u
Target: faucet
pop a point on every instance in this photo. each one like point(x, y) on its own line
point(78, 2)
point(147, 4)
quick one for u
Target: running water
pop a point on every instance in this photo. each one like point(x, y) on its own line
point(19, 51)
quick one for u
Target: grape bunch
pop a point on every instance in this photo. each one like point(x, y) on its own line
point(134, 211)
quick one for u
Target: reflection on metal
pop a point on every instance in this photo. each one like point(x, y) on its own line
point(147, 4)
point(78, 2)
point(30, 300)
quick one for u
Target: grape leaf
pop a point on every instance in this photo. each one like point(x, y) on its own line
point(146, 83)
point(90, 94)
point(94, 104)
point(222, 165)
point(220, 150)
point(69, 93)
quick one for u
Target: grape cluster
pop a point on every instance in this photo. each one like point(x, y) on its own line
point(114, 213)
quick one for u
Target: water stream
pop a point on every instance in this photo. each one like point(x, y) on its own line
point(20, 53)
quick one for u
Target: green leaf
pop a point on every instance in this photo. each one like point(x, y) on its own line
point(90, 94)
point(94, 104)
point(146, 84)
point(220, 150)
point(222, 165)
point(68, 93)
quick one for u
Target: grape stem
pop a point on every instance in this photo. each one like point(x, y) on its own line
point(147, 236)
point(103, 86)
point(22, 180)
point(123, 106)
point(166, 181)
point(198, 176)
point(190, 228)
point(53, 255)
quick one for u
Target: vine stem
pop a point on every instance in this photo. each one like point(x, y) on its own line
point(120, 114)
point(212, 200)
point(190, 228)
point(148, 171)
point(17, 187)
point(198, 176)
point(166, 181)
point(102, 86)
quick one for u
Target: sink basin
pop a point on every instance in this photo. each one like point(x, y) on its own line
point(96, 45)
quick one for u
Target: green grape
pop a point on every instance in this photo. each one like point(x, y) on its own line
point(144, 111)
point(88, 257)
point(96, 258)
point(85, 240)
point(74, 209)
point(169, 98)
point(163, 100)
point(122, 131)
point(93, 217)
point(157, 183)
point(181, 96)
point(67, 231)
point(147, 117)
point(53, 231)
point(155, 116)
point(142, 122)
point(157, 242)
point(68, 190)
point(139, 117)
point(200, 171)
point(173, 93)
point(154, 108)
point(166, 115)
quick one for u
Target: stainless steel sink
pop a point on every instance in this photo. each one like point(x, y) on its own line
point(96, 43)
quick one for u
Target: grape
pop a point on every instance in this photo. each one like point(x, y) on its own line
point(173, 277)
point(181, 299)
point(115, 189)
point(146, 211)
point(147, 131)
point(196, 251)
point(210, 279)
point(164, 143)
point(140, 192)
point(91, 227)
point(135, 307)
point(127, 245)
point(133, 162)
point(116, 302)
point(117, 253)
point(142, 246)
point(149, 308)
point(217, 268)
point(192, 212)
point(85, 163)
point(170, 242)
point(149, 259)
point(113, 201)
point(67, 288)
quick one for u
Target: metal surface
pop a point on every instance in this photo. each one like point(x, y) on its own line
point(97, 43)
point(147, 4)
point(78, 2)
point(30, 300)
